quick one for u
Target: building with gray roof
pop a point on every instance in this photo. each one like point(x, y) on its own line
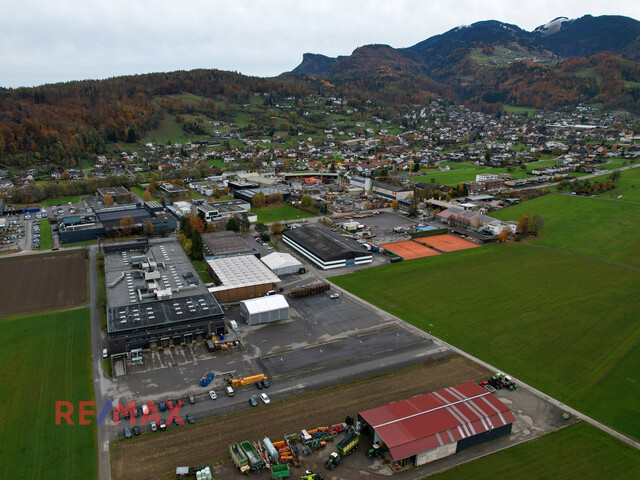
point(155, 298)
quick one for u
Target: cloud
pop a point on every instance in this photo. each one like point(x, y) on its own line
point(69, 40)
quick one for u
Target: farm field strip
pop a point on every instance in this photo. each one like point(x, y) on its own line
point(543, 313)
point(156, 455)
point(48, 358)
point(587, 226)
point(576, 452)
point(34, 283)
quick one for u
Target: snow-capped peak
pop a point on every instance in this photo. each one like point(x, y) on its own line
point(552, 27)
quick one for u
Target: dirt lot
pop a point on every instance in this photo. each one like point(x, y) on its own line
point(34, 283)
point(156, 455)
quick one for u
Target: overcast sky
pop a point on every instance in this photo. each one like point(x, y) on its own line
point(60, 40)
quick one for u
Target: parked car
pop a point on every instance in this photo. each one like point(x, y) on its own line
point(154, 426)
point(259, 385)
point(175, 421)
point(163, 406)
point(190, 418)
point(265, 398)
point(212, 395)
point(266, 383)
point(136, 430)
point(192, 399)
point(253, 402)
point(127, 432)
point(105, 353)
point(333, 296)
point(230, 391)
point(163, 426)
point(136, 412)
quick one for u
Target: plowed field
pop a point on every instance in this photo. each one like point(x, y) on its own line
point(35, 283)
point(157, 455)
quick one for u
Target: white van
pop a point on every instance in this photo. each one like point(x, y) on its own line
point(230, 391)
point(105, 353)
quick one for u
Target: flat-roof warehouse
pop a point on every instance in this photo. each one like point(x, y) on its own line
point(323, 248)
point(155, 298)
point(240, 277)
point(438, 424)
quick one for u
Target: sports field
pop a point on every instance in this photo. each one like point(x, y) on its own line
point(46, 358)
point(566, 324)
point(577, 452)
point(447, 243)
point(409, 250)
point(589, 226)
point(279, 213)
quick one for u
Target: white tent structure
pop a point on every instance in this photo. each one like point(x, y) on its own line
point(282, 263)
point(264, 309)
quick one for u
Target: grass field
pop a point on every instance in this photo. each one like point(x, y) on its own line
point(566, 324)
point(278, 213)
point(201, 268)
point(139, 191)
point(584, 225)
point(169, 129)
point(46, 242)
point(60, 200)
point(453, 178)
point(48, 358)
point(628, 186)
point(515, 110)
point(577, 452)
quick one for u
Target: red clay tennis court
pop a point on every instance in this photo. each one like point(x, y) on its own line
point(447, 242)
point(409, 249)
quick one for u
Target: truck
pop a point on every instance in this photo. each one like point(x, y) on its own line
point(239, 458)
point(254, 459)
point(280, 471)
point(242, 382)
point(206, 378)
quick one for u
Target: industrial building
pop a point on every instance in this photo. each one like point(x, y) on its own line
point(227, 244)
point(240, 277)
point(270, 308)
point(390, 192)
point(155, 298)
point(117, 194)
point(282, 263)
point(323, 248)
point(248, 194)
point(425, 428)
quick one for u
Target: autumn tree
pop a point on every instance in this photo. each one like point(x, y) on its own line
point(306, 201)
point(276, 228)
point(226, 190)
point(126, 224)
point(216, 192)
point(503, 235)
point(107, 200)
point(258, 200)
point(146, 196)
point(394, 205)
point(197, 224)
point(148, 228)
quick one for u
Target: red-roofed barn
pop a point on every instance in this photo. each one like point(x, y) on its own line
point(431, 426)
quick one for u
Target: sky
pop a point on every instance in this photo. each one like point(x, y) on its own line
point(62, 40)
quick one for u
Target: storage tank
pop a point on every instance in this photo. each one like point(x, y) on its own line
point(271, 450)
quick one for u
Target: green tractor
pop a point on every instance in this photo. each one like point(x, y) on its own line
point(333, 461)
